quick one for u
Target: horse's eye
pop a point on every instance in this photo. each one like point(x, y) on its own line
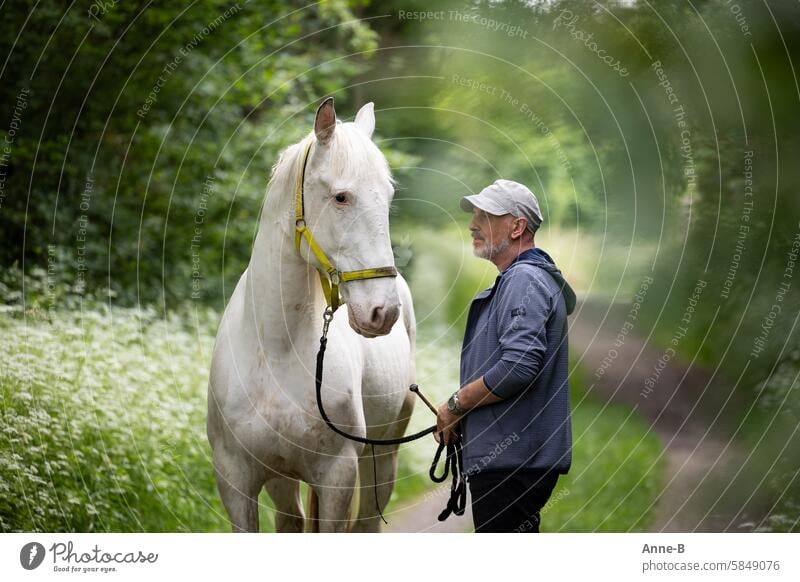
point(341, 198)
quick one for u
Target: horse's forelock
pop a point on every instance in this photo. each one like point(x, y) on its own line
point(354, 155)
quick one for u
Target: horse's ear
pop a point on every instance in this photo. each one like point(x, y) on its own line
point(325, 122)
point(365, 118)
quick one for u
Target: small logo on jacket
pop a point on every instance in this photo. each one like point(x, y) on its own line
point(31, 555)
point(518, 311)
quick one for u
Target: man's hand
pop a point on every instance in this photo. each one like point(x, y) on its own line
point(446, 425)
point(470, 396)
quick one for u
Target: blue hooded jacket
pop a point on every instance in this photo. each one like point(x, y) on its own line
point(516, 338)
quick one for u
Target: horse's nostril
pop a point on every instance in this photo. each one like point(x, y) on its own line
point(377, 316)
point(382, 316)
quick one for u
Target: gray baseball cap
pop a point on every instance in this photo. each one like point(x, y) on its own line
point(506, 197)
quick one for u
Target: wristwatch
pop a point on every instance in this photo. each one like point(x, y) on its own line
point(453, 405)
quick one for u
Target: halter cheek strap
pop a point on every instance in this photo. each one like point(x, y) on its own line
point(329, 276)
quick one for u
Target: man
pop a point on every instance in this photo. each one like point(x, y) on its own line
point(513, 406)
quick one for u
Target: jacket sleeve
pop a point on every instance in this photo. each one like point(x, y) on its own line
point(524, 307)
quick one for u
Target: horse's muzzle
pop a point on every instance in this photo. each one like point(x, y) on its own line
point(379, 321)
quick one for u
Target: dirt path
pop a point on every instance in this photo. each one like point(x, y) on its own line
point(420, 515)
point(701, 491)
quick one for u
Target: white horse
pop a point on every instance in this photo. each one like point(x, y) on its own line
point(263, 422)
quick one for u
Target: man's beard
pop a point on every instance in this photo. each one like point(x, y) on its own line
point(489, 251)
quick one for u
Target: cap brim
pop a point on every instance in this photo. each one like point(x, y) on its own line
point(485, 204)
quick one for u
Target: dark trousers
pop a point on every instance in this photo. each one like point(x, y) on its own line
point(509, 501)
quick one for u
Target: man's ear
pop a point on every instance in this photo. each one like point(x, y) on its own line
point(519, 228)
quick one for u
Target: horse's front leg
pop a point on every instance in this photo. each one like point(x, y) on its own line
point(239, 482)
point(334, 489)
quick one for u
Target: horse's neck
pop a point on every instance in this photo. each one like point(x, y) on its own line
point(283, 295)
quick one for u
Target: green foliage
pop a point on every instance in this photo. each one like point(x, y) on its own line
point(446, 275)
point(144, 138)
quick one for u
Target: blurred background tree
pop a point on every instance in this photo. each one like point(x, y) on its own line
point(140, 125)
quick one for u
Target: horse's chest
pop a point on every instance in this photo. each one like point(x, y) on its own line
point(278, 421)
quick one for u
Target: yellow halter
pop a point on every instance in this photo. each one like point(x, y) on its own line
point(329, 275)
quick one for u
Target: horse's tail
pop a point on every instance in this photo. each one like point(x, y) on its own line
point(313, 511)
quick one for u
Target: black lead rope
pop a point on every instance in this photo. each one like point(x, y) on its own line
point(453, 462)
point(375, 484)
point(323, 341)
point(458, 486)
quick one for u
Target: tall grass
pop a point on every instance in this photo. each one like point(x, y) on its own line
point(102, 424)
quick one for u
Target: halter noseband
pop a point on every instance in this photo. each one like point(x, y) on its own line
point(329, 275)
